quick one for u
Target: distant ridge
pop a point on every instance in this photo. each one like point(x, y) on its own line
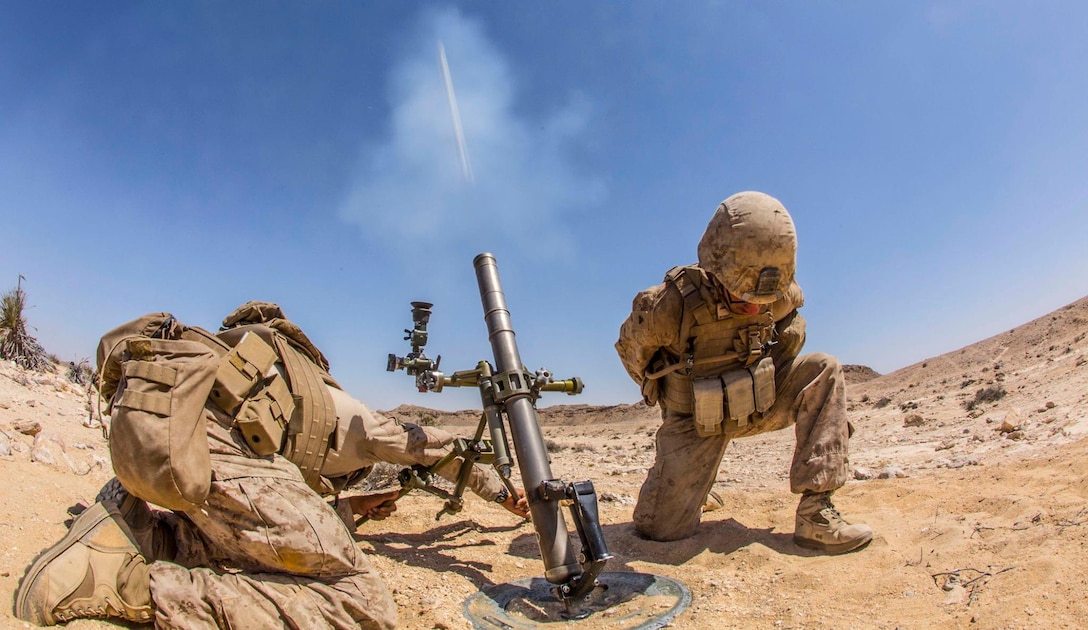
point(555, 414)
point(859, 373)
point(1045, 343)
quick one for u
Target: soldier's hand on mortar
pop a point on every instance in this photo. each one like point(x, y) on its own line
point(377, 506)
point(517, 504)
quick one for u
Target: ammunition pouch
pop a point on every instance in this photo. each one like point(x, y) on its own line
point(261, 407)
point(763, 384)
point(263, 419)
point(651, 391)
point(240, 371)
point(709, 405)
point(732, 398)
point(296, 417)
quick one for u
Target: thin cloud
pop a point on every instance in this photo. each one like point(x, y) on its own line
point(411, 187)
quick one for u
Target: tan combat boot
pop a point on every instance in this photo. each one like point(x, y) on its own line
point(820, 526)
point(152, 536)
point(94, 571)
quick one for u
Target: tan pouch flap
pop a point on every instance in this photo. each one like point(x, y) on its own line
point(763, 384)
point(709, 405)
point(240, 371)
point(263, 419)
point(738, 395)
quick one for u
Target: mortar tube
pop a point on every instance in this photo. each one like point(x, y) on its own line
point(555, 547)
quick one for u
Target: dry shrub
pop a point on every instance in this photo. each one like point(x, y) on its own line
point(989, 394)
point(16, 344)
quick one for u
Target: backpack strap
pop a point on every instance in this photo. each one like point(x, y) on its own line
point(697, 290)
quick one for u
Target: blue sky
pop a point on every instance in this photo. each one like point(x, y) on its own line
point(191, 156)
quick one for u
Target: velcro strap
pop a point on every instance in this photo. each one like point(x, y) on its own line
point(245, 367)
point(282, 405)
point(152, 372)
point(158, 404)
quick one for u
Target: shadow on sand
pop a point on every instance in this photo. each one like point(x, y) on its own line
point(435, 547)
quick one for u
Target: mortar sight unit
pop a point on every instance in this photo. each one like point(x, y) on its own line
point(415, 362)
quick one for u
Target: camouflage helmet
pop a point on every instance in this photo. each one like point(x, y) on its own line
point(750, 246)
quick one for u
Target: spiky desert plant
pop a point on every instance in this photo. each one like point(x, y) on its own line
point(16, 343)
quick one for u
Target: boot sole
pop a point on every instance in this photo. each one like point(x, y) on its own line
point(833, 549)
point(84, 523)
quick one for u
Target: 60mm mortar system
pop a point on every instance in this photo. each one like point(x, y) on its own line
point(508, 393)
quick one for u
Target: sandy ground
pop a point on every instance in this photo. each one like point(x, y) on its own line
point(980, 514)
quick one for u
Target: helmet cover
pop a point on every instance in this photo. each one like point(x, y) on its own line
point(750, 246)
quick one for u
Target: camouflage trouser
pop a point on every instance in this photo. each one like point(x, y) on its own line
point(809, 394)
point(264, 551)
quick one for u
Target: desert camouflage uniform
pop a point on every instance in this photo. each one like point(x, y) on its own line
point(263, 550)
point(663, 330)
point(267, 551)
point(809, 394)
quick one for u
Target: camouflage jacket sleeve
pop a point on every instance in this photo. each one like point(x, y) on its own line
point(789, 326)
point(654, 323)
point(412, 444)
point(365, 438)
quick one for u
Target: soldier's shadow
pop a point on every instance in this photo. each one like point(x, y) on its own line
point(716, 536)
point(431, 548)
point(435, 548)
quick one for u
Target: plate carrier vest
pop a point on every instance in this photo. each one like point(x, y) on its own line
point(305, 432)
point(729, 373)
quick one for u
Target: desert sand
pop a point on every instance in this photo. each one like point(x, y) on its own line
point(971, 467)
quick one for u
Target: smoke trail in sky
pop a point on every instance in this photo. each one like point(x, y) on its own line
point(466, 165)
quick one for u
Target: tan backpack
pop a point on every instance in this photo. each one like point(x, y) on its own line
point(157, 374)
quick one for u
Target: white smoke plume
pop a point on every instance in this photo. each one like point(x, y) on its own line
point(522, 189)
